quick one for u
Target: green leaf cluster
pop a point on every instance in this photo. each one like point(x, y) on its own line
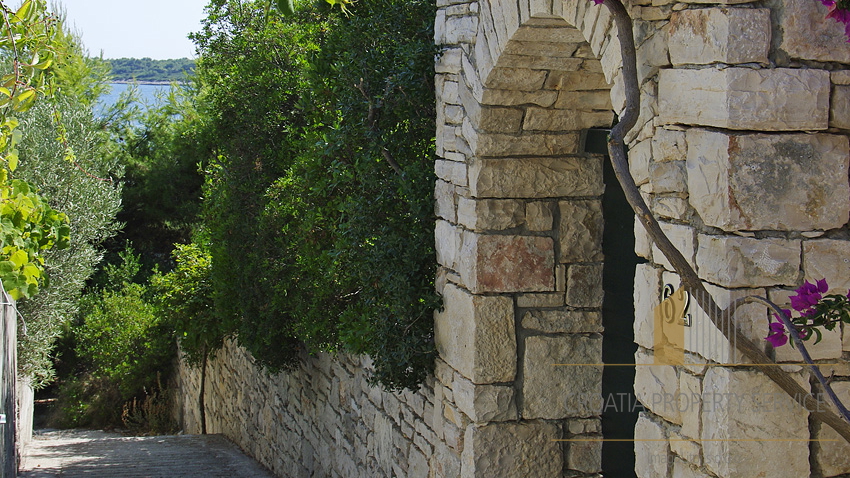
point(318, 196)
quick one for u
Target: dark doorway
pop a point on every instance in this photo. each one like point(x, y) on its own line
point(620, 407)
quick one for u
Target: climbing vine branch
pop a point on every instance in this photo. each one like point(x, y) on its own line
point(689, 277)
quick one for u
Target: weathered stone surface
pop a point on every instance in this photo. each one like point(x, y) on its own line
point(757, 181)
point(451, 171)
point(668, 177)
point(446, 462)
point(682, 237)
point(584, 285)
point(527, 144)
point(565, 120)
point(562, 321)
point(657, 388)
point(512, 450)
point(494, 119)
point(669, 145)
point(544, 98)
point(491, 263)
point(652, 453)
point(569, 390)
point(733, 261)
point(839, 107)
point(484, 403)
point(640, 156)
point(490, 214)
point(581, 231)
point(740, 98)
point(742, 428)
point(475, 335)
point(670, 207)
point(584, 456)
point(719, 35)
point(519, 79)
point(828, 259)
point(705, 339)
point(536, 177)
point(447, 241)
point(541, 299)
point(584, 100)
point(689, 403)
point(643, 244)
point(444, 205)
point(647, 296)
point(682, 469)
point(539, 216)
point(808, 35)
point(831, 453)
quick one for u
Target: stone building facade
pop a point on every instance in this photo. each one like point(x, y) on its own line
point(741, 150)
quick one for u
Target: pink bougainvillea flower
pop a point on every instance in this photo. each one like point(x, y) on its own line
point(598, 2)
point(777, 336)
point(808, 295)
point(839, 11)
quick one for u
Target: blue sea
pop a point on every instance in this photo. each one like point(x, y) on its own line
point(148, 94)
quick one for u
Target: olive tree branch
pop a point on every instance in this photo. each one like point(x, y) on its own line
point(689, 277)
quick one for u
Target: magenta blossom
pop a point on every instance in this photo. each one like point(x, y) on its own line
point(839, 10)
point(808, 295)
point(777, 336)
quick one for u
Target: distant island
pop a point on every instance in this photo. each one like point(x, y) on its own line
point(151, 72)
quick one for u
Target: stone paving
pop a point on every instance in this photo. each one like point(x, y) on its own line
point(86, 453)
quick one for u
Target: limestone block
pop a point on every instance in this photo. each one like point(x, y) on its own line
point(832, 456)
point(451, 171)
point(490, 214)
point(741, 98)
point(575, 81)
point(449, 61)
point(512, 450)
point(553, 391)
point(808, 35)
point(476, 336)
point(733, 261)
point(565, 120)
point(682, 237)
point(539, 216)
point(704, 338)
point(544, 98)
point(652, 452)
point(519, 79)
point(639, 157)
point(562, 321)
point(445, 463)
point(484, 403)
point(536, 300)
point(657, 388)
point(444, 204)
point(527, 144)
point(722, 35)
point(581, 231)
point(647, 296)
point(491, 263)
point(839, 107)
point(670, 207)
point(668, 177)
point(828, 259)
point(757, 181)
point(652, 53)
point(682, 469)
point(689, 401)
point(536, 177)
point(584, 100)
point(500, 120)
point(669, 145)
point(743, 426)
point(584, 285)
point(447, 241)
point(584, 456)
point(643, 244)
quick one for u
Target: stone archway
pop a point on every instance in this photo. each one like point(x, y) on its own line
point(520, 231)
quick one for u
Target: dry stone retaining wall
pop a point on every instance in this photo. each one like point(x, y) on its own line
point(741, 150)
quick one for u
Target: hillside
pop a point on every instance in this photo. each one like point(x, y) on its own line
point(146, 70)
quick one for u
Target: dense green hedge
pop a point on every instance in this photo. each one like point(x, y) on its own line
point(318, 204)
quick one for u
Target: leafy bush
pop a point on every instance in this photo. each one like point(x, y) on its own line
point(318, 201)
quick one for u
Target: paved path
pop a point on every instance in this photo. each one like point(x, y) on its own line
point(84, 453)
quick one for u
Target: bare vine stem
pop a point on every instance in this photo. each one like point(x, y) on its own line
point(689, 277)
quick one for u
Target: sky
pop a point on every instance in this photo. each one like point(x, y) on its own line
point(155, 29)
